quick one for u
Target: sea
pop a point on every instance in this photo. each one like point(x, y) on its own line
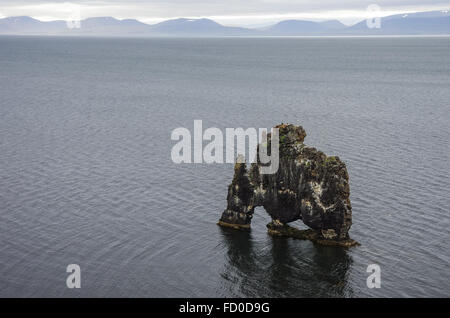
point(87, 177)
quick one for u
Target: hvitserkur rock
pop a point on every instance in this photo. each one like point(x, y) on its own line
point(308, 185)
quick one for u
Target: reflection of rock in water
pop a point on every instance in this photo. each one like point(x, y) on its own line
point(308, 186)
point(331, 266)
point(279, 267)
point(240, 263)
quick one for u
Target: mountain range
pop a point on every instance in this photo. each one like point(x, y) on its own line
point(420, 23)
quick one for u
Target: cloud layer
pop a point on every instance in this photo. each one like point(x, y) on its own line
point(229, 12)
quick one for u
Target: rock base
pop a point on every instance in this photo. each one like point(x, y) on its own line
point(234, 226)
point(289, 231)
point(285, 230)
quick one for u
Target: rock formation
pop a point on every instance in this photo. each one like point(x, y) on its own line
point(308, 186)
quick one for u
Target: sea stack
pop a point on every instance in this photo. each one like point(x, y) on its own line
point(307, 186)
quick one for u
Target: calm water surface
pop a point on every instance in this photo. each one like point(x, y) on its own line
point(86, 175)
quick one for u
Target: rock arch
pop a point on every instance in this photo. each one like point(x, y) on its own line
point(308, 185)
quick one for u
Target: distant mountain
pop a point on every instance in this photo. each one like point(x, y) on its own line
point(198, 27)
point(91, 26)
point(299, 27)
point(110, 26)
point(427, 14)
point(432, 23)
point(27, 25)
point(333, 25)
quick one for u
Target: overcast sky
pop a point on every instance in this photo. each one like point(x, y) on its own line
point(228, 12)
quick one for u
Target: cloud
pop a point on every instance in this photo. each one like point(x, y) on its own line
point(231, 12)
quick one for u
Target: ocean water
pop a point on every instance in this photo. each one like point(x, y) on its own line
point(86, 175)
